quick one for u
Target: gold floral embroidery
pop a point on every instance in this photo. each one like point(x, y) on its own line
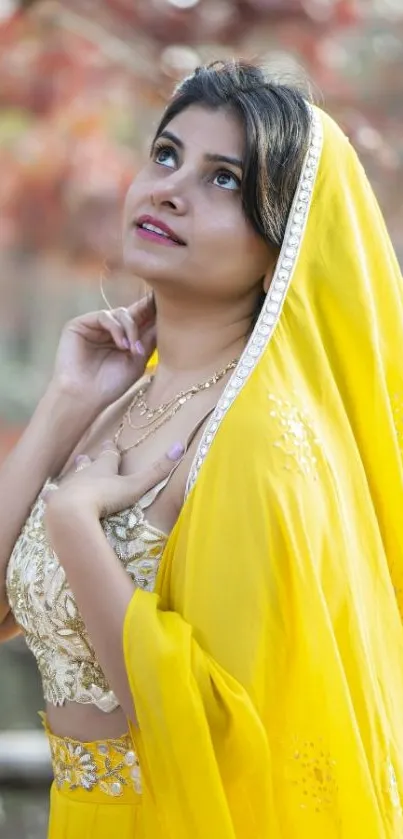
point(312, 771)
point(44, 606)
point(296, 438)
point(137, 544)
point(109, 765)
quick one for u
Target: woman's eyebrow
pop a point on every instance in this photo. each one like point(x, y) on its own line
point(167, 135)
point(212, 158)
point(224, 158)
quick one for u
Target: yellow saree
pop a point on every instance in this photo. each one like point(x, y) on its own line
point(267, 670)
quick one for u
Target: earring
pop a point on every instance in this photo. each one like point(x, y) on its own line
point(102, 277)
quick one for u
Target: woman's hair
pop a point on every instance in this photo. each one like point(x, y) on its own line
point(276, 122)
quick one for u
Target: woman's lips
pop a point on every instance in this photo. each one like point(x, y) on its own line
point(159, 238)
point(156, 230)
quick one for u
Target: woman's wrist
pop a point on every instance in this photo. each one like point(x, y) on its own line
point(69, 406)
point(74, 533)
point(67, 517)
point(58, 424)
point(76, 507)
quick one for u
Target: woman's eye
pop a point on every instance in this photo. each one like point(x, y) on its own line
point(165, 156)
point(227, 180)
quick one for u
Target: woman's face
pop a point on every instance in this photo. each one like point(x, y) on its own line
point(190, 191)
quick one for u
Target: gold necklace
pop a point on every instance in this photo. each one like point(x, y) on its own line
point(156, 417)
point(152, 414)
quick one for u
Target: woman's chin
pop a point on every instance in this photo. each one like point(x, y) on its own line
point(152, 267)
point(141, 263)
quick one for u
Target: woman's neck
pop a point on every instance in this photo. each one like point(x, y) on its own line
point(194, 344)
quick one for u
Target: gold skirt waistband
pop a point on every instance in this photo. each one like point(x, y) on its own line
point(108, 766)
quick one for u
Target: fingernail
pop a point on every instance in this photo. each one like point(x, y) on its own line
point(108, 444)
point(125, 343)
point(176, 451)
point(81, 458)
point(139, 348)
point(47, 491)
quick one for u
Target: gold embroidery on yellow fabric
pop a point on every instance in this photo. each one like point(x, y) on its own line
point(312, 771)
point(44, 606)
point(296, 438)
point(109, 765)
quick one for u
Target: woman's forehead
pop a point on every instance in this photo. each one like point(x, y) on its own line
point(216, 132)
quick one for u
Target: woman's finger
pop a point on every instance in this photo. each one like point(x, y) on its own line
point(133, 487)
point(123, 491)
point(81, 462)
point(115, 329)
point(108, 460)
point(143, 311)
point(130, 328)
point(149, 340)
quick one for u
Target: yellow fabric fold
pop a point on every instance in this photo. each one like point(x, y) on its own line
point(267, 669)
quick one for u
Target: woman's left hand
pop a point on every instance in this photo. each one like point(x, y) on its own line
point(96, 488)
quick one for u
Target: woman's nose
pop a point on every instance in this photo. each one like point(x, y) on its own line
point(170, 193)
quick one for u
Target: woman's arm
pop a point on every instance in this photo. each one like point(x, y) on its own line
point(101, 586)
point(102, 589)
point(55, 429)
point(99, 357)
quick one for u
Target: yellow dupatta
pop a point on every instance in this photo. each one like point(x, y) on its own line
point(267, 669)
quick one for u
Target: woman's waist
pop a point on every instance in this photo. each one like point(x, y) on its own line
point(85, 721)
point(105, 768)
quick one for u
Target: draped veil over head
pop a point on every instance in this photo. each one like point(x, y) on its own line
point(267, 669)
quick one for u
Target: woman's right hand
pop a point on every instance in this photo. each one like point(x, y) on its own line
point(101, 354)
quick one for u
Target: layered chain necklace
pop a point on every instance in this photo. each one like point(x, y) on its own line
point(154, 418)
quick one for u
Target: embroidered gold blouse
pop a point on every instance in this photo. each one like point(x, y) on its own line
point(44, 607)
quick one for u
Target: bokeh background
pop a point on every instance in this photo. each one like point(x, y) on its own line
point(81, 86)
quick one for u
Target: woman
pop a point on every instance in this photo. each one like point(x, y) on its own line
point(257, 690)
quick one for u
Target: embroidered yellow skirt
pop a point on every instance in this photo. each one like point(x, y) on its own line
point(96, 792)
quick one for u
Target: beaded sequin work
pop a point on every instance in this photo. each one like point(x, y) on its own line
point(110, 765)
point(276, 295)
point(311, 770)
point(295, 436)
point(44, 607)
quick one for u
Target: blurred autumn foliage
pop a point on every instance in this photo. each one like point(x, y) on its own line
point(81, 86)
point(82, 83)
